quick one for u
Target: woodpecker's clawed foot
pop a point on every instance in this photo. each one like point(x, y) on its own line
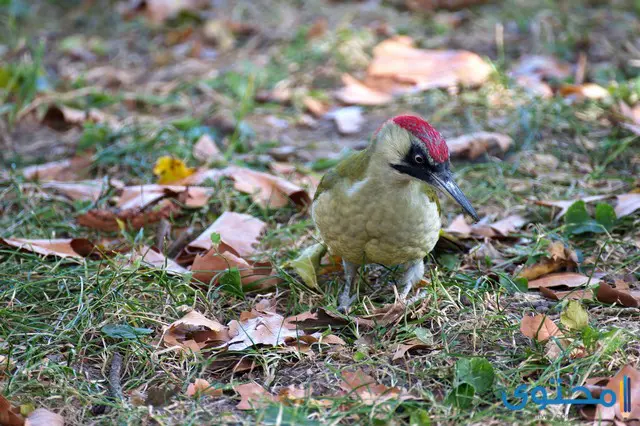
point(345, 303)
point(414, 271)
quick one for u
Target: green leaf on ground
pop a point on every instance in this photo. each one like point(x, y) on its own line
point(477, 372)
point(308, 263)
point(574, 316)
point(231, 282)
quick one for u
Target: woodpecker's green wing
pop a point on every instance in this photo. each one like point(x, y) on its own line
point(353, 167)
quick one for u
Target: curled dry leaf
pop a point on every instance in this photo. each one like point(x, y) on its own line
point(260, 328)
point(44, 417)
point(316, 107)
point(142, 196)
point(106, 220)
point(252, 396)
point(411, 345)
point(206, 150)
point(156, 260)
point(62, 247)
point(62, 118)
point(459, 226)
point(71, 169)
point(558, 257)
point(539, 327)
point(608, 414)
point(360, 385)
point(9, 415)
point(576, 294)
point(238, 232)
point(483, 229)
point(627, 204)
point(307, 264)
point(531, 70)
point(398, 67)
point(565, 204)
point(582, 92)
point(473, 145)
point(568, 279)
point(158, 11)
point(349, 120)
point(620, 296)
point(202, 387)
point(207, 268)
point(195, 331)
point(88, 190)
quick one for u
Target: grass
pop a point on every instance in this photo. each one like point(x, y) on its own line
point(54, 311)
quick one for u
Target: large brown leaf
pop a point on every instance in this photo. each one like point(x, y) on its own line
point(539, 327)
point(61, 247)
point(569, 279)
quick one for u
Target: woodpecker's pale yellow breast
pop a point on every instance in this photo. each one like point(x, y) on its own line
point(378, 220)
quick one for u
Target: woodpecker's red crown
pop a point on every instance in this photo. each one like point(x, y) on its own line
point(425, 133)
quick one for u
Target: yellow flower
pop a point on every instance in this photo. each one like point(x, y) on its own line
point(170, 170)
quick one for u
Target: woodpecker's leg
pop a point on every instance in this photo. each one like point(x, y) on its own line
point(414, 271)
point(350, 273)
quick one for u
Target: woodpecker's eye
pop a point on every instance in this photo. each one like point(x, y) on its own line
point(419, 159)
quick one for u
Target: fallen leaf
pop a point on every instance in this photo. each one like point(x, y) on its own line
point(508, 225)
point(614, 413)
point(194, 331)
point(62, 247)
point(9, 415)
point(349, 120)
point(44, 417)
point(564, 205)
point(209, 266)
point(315, 106)
point(356, 92)
point(171, 170)
point(459, 226)
point(318, 28)
point(238, 232)
point(627, 204)
point(473, 145)
point(106, 220)
point(569, 279)
point(63, 118)
point(542, 67)
point(265, 328)
point(484, 229)
point(575, 294)
point(65, 170)
point(558, 257)
point(206, 150)
point(402, 349)
point(253, 396)
point(267, 190)
point(202, 387)
point(427, 5)
point(398, 67)
point(158, 11)
point(89, 190)
point(142, 196)
point(368, 391)
point(307, 264)
point(539, 327)
point(582, 92)
point(608, 294)
point(157, 260)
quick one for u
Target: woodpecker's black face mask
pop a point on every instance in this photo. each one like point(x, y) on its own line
point(417, 164)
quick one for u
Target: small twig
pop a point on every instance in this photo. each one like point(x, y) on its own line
point(162, 234)
point(115, 387)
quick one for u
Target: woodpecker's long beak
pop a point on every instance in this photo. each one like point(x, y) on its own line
point(444, 180)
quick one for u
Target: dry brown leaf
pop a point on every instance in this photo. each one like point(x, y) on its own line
point(582, 92)
point(508, 225)
point(608, 294)
point(63, 118)
point(348, 120)
point(9, 415)
point(88, 190)
point(252, 396)
point(613, 413)
point(402, 349)
point(156, 260)
point(356, 92)
point(195, 331)
point(260, 328)
point(208, 266)
point(542, 67)
point(565, 204)
point(267, 190)
point(238, 232)
point(459, 226)
point(158, 11)
point(206, 150)
point(315, 107)
point(62, 247)
point(106, 220)
point(202, 387)
point(627, 204)
point(368, 391)
point(72, 169)
point(576, 294)
point(483, 229)
point(473, 145)
point(142, 196)
point(318, 28)
point(44, 417)
point(558, 257)
point(568, 279)
point(539, 327)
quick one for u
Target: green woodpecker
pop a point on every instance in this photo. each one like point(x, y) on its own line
point(379, 205)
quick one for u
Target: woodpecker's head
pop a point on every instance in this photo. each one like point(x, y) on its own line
point(412, 148)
